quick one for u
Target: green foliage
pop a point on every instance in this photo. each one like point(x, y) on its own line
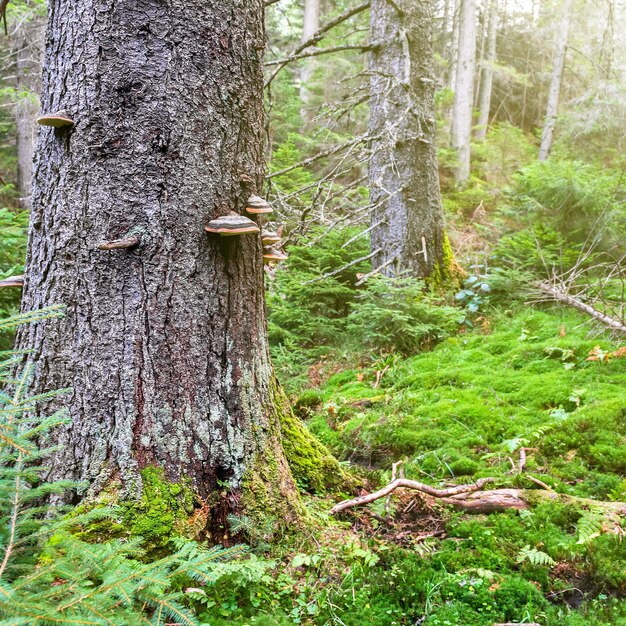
point(399, 315)
point(308, 310)
point(535, 557)
point(13, 227)
point(578, 200)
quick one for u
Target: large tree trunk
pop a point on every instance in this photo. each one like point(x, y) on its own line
point(310, 26)
point(464, 90)
point(547, 136)
point(486, 75)
point(407, 220)
point(164, 345)
point(27, 42)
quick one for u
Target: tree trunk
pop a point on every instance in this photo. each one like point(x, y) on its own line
point(311, 25)
point(486, 82)
point(554, 94)
point(454, 46)
point(407, 220)
point(164, 345)
point(464, 90)
point(28, 42)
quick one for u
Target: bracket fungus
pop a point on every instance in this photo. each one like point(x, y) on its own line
point(56, 120)
point(258, 205)
point(273, 255)
point(119, 244)
point(269, 238)
point(231, 224)
point(12, 281)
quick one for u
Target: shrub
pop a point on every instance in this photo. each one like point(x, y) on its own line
point(398, 315)
point(577, 200)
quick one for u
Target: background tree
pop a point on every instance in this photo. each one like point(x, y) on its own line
point(464, 90)
point(558, 64)
point(407, 231)
point(486, 74)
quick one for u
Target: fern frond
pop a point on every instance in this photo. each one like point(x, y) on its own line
point(590, 525)
point(535, 557)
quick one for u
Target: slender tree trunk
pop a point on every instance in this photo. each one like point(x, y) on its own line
point(311, 25)
point(407, 219)
point(463, 95)
point(486, 83)
point(28, 42)
point(164, 345)
point(481, 36)
point(554, 94)
point(454, 45)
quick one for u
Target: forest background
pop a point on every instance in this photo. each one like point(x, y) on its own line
point(507, 363)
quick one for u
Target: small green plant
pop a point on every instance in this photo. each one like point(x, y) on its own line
point(399, 315)
point(535, 557)
point(474, 296)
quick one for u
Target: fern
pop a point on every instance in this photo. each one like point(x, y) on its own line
point(535, 557)
point(590, 525)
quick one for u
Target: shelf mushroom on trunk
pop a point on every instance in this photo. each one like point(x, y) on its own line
point(273, 255)
point(256, 205)
point(12, 281)
point(59, 119)
point(269, 238)
point(231, 225)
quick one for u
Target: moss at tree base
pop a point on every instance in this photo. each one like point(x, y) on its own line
point(447, 272)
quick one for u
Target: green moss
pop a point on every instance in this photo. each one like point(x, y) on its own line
point(447, 273)
point(160, 514)
point(162, 511)
point(313, 467)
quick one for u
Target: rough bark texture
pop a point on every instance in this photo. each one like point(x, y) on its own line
point(554, 94)
point(310, 26)
point(164, 344)
point(28, 42)
point(486, 75)
point(407, 219)
point(464, 90)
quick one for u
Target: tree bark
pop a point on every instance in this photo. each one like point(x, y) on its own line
point(560, 51)
point(464, 90)
point(486, 76)
point(28, 43)
point(311, 24)
point(163, 344)
point(407, 218)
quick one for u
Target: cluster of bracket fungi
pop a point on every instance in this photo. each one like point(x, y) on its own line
point(234, 224)
point(229, 225)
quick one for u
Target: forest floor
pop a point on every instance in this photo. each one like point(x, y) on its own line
point(530, 387)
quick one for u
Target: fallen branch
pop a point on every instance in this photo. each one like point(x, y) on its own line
point(410, 484)
point(561, 296)
point(473, 499)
